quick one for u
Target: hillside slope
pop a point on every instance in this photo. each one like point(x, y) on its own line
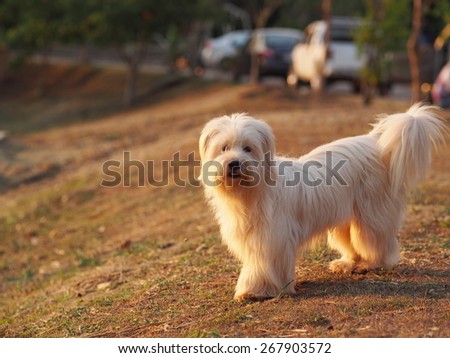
point(81, 260)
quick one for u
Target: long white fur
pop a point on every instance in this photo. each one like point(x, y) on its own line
point(265, 225)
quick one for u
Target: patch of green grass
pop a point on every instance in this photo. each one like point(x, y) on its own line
point(87, 261)
point(103, 302)
point(210, 240)
point(82, 196)
point(8, 224)
point(63, 298)
point(319, 253)
point(77, 312)
point(123, 295)
point(233, 316)
point(197, 333)
point(316, 320)
point(443, 242)
point(393, 303)
point(27, 275)
point(4, 265)
point(90, 328)
point(377, 306)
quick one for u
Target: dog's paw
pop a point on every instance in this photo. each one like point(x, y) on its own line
point(249, 297)
point(244, 297)
point(361, 268)
point(341, 266)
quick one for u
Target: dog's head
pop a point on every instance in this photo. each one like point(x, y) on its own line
point(236, 151)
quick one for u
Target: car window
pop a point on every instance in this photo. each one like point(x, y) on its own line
point(342, 34)
point(281, 41)
point(240, 40)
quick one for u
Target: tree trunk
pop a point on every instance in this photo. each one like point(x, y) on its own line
point(326, 14)
point(261, 19)
point(371, 75)
point(194, 45)
point(4, 63)
point(130, 87)
point(413, 50)
point(254, 66)
point(41, 77)
point(84, 57)
point(256, 44)
point(132, 59)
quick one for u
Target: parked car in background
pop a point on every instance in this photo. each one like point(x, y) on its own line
point(273, 48)
point(431, 61)
point(220, 52)
point(440, 92)
point(311, 61)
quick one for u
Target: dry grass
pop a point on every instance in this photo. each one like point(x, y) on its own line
point(80, 260)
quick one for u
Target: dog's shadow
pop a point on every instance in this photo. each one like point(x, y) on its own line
point(410, 283)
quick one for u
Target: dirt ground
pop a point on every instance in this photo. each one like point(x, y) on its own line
point(81, 260)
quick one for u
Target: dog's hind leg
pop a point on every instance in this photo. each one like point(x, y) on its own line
point(339, 239)
point(375, 244)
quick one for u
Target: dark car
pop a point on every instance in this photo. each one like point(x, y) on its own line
point(273, 51)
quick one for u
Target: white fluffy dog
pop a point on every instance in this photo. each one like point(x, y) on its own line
point(354, 189)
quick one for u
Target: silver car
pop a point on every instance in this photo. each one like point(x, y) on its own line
point(219, 52)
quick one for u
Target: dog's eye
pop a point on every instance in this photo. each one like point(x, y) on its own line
point(247, 149)
point(225, 148)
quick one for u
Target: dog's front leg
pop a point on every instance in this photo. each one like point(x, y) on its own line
point(254, 283)
point(260, 280)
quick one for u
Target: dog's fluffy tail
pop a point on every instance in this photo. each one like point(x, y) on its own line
point(406, 141)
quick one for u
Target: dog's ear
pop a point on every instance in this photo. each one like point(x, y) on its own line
point(267, 140)
point(268, 149)
point(205, 138)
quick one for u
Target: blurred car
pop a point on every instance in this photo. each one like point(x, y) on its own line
point(219, 52)
point(342, 61)
point(273, 47)
point(440, 92)
point(431, 61)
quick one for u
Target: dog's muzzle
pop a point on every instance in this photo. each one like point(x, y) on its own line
point(234, 169)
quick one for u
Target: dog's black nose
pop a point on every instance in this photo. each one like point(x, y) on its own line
point(234, 164)
point(234, 168)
